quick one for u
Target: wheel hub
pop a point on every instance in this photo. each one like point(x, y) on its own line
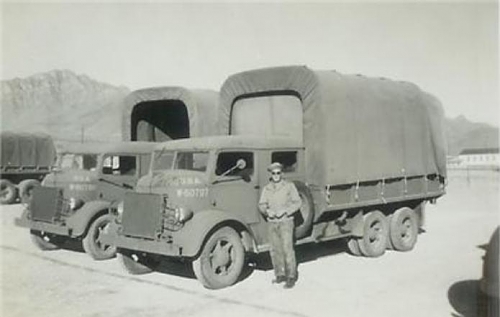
point(221, 257)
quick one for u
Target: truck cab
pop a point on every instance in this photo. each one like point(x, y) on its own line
point(203, 188)
point(74, 199)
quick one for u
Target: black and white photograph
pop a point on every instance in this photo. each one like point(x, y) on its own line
point(248, 158)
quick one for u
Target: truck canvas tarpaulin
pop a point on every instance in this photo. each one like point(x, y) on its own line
point(354, 128)
point(23, 150)
point(166, 113)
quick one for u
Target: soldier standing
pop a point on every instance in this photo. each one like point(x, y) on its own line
point(278, 202)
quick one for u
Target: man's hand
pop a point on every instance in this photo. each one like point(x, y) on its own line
point(263, 207)
point(271, 214)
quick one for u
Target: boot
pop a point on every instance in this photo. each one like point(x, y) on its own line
point(290, 283)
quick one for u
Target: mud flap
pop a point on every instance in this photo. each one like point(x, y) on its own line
point(357, 225)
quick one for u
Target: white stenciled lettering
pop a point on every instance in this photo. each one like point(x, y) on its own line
point(192, 192)
point(82, 187)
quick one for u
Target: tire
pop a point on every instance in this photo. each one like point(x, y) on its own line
point(91, 242)
point(45, 241)
point(137, 263)
point(8, 192)
point(303, 219)
point(403, 229)
point(221, 260)
point(353, 246)
point(375, 234)
point(26, 189)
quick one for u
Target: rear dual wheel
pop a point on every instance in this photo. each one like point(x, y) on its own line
point(8, 192)
point(399, 231)
point(375, 236)
point(403, 232)
point(26, 189)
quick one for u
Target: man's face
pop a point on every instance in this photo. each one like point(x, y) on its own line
point(276, 175)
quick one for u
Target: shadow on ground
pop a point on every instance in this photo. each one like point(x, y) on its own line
point(468, 301)
point(304, 253)
point(74, 245)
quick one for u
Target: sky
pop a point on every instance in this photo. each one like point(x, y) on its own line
point(448, 49)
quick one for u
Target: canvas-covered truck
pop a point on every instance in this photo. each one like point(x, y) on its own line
point(161, 114)
point(25, 159)
point(74, 199)
point(365, 155)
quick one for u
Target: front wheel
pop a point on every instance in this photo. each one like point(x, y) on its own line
point(136, 262)
point(221, 260)
point(92, 241)
point(45, 241)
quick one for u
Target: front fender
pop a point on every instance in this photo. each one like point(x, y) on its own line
point(79, 221)
point(194, 233)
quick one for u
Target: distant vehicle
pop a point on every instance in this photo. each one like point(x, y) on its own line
point(364, 154)
point(74, 199)
point(489, 283)
point(25, 159)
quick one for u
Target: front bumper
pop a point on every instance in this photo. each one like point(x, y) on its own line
point(58, 229)
point(112, 236)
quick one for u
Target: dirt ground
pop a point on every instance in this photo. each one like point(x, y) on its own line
point(438, 278)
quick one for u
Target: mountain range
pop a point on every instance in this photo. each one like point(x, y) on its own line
point(74, 107)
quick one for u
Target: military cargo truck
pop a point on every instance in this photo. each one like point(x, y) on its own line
point(365, 155)
point(74, 199)
point(167, 113)
point(25, 159)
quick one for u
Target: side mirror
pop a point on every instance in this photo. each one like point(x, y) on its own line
point(241, 164)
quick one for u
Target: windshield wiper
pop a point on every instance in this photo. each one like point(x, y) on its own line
point(124, 185)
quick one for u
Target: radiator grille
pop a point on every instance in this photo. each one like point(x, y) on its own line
point(46, 203)
point(142, 215)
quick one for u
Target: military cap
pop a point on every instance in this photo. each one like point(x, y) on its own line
point(275, 166)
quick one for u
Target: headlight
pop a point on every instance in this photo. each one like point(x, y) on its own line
point(182, 214)
point(75, 203)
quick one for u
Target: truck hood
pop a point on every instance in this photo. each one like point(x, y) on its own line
point(188, 189)
point(159, 182)
point(75, 183)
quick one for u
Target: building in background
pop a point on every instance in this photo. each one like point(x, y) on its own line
point(480, 158)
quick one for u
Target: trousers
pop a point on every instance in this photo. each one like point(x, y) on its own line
point(282, 251)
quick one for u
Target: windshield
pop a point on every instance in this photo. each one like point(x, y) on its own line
point(163, 160)
point(86, 162)
point(191, 160)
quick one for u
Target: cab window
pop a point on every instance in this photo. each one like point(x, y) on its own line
point(287, 158)
point(86, 162)
point(228, 160)
point(119, 165)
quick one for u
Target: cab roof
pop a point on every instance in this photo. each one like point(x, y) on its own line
point(107, 147)
point(231, 142)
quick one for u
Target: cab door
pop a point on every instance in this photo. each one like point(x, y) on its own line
point(119, 173)
point(236, 189)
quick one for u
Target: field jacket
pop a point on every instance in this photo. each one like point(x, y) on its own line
point(279, 200)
